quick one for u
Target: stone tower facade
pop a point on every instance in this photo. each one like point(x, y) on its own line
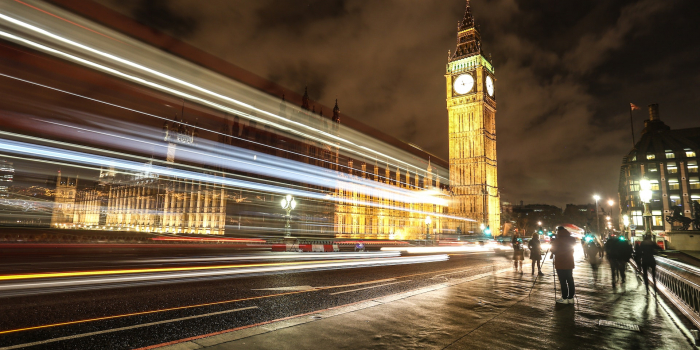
point(64, 201)
point(471, 106)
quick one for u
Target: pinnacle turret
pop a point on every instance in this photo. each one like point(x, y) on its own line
point(336, 112)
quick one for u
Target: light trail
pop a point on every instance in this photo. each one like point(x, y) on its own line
point(279, 256)
point(317, 289)
point(430, 250)
point(53, 153)
point(351, 146)
point(23, 284)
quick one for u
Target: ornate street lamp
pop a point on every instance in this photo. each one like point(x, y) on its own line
point(288, 203)
point(427, 228)
point(645, 195)
point(597, 218)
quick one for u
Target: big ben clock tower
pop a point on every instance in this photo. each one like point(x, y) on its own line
point(471, 106)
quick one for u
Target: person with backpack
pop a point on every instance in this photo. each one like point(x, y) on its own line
point(535, 247)
point(563, 255)
point(624, 254)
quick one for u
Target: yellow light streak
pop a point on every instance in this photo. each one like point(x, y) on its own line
point(151, 270)
point(221, 302)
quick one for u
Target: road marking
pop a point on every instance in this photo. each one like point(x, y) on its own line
point(213, 303)
point(299, 288)
point(82, 335)
point(370, 287)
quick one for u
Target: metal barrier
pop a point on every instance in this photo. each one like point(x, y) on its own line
point(677, 282)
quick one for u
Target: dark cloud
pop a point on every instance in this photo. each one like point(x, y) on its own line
point(157, 14)
point(566, 71)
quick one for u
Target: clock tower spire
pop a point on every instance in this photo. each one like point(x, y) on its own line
point(471, 108)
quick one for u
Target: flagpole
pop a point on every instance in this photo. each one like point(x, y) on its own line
point(632, 126)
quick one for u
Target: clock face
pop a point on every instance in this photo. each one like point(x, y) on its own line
point(463, 84)
point(489, 85)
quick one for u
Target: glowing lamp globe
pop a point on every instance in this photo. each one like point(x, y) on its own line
point(645, 192)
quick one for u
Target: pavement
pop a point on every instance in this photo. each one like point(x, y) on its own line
point(487, 311)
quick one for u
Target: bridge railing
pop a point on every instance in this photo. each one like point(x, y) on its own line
point(680, 283)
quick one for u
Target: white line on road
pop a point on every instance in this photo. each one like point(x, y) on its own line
point(19, 346)
point(381, 285)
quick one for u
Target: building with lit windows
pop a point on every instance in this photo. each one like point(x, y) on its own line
point(471, 106)
point(668, 158)
point(7, 174)
point(146, 202)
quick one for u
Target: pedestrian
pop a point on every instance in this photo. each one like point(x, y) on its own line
point(647, 249)
point(536, 253)
point(638, 256)
point(518, 253)
point(563, 255)
point(594, 256)
point(611, 251)
point(623, 253)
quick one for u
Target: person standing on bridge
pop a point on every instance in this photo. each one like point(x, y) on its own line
point(563, 255)
point(536, 253)
point(647, 250)
point(518, 253)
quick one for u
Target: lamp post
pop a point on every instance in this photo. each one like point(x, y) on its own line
point(626, 223)
point(597, 218)
point(288, 203)
point(427, 228)
point(645, 195)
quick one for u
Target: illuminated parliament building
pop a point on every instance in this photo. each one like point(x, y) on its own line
point(147, 202)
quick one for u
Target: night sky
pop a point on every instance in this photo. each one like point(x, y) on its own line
point(566, 72)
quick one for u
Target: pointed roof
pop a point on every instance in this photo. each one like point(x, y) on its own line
point(468, 20)
point(468, 37)
point(336, 112)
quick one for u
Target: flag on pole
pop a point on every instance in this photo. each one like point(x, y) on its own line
point(632, 107)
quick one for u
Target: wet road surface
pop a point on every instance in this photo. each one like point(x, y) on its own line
point(131, 316)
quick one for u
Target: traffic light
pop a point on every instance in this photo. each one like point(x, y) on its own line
point(487, 231)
